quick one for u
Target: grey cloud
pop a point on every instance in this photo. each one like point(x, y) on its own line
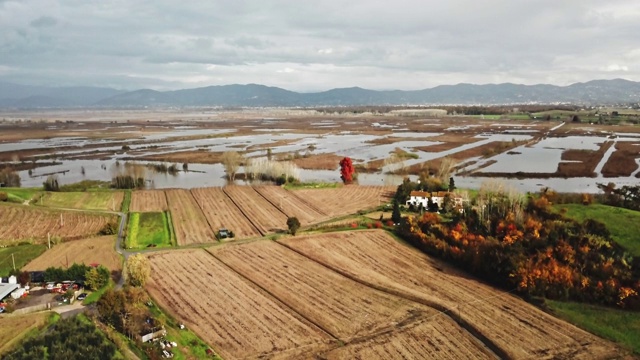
point(373, 43)
point(44, 21)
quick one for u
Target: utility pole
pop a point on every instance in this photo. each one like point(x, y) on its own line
point(14, 262)
point(49, 239)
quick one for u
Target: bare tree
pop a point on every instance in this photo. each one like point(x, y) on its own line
point(447, 166)
point(138, 270)
point(231, 161)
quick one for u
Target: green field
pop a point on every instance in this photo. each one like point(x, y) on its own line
point(618, 325)
point(623, 224)
point(20, 195)
point(22, 255)
point(148, 228)
point(94, 200)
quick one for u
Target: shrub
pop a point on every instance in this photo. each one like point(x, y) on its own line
point(3, 196)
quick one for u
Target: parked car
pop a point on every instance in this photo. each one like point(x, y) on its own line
point(223, 233)
point(82, 296)
point(167, 354)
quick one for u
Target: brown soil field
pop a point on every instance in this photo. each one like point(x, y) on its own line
point(623, 161)
point(14, 328)
point(290, 204)
point(262, 214)
point(319, 162)
point(439, 338)
point(19, 222)
point(587, 161)
point(514, 328)
point(198, 156)
point(225, 310)
point(221, 212)
point(343, 308)
point(148, 201)
point(346, 199)
point(100, 250)
point(449, 141)
point(189, 223)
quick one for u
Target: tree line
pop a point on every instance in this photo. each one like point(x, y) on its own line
point(519, 242)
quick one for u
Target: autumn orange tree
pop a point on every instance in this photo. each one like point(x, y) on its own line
point(530, 248)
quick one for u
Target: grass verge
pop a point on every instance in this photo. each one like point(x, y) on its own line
point(96, 295)
point(312, 185)
point(148, 229)
point(20, 195)
point(22, 255)
point(617, 325)
point(190, 346)
point(624, 224)
point(126, 201)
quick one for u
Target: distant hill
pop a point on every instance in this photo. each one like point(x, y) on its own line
point(25, 96)
point(253, 95)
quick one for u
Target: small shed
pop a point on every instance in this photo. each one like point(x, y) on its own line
point(13, 279)
point(6, 289)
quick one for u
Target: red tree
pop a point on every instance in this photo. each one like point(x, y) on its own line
point(346, 170)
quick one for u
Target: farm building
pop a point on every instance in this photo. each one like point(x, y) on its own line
point(6, 289)
point(420, 199)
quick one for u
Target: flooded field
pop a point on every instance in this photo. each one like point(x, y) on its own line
point(529, 154)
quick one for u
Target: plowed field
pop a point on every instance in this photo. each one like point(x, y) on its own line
point(189, 223)
point(518, 329)
point(100, 250)
point(264, 216)
point(440, 338)
point(148, 201)
point(291, 205)
point(347, 199)
point(221, 212)
point(340, 306)
point(19, 222)
point(227, 311)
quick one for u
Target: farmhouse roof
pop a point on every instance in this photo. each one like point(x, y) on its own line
point(6, 289)
point(420, 193)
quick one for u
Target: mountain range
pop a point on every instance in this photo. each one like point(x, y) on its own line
point(614, 91)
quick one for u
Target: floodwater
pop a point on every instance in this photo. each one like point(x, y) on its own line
point(542, 156)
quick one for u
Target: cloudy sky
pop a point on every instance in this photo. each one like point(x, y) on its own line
point(317, 45)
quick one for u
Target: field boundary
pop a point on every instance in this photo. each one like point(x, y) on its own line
point(270, 202)
point(203, 215)
point(313, 206)
point(450, 312)
point(275, 298)
point(172, 234)
point(243, 213)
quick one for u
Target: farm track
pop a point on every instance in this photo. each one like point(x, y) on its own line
point(262, 214)
point(221, 212)
point(189, 223)
point(515, 328)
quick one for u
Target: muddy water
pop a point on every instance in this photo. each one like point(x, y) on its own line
point(543, 156)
